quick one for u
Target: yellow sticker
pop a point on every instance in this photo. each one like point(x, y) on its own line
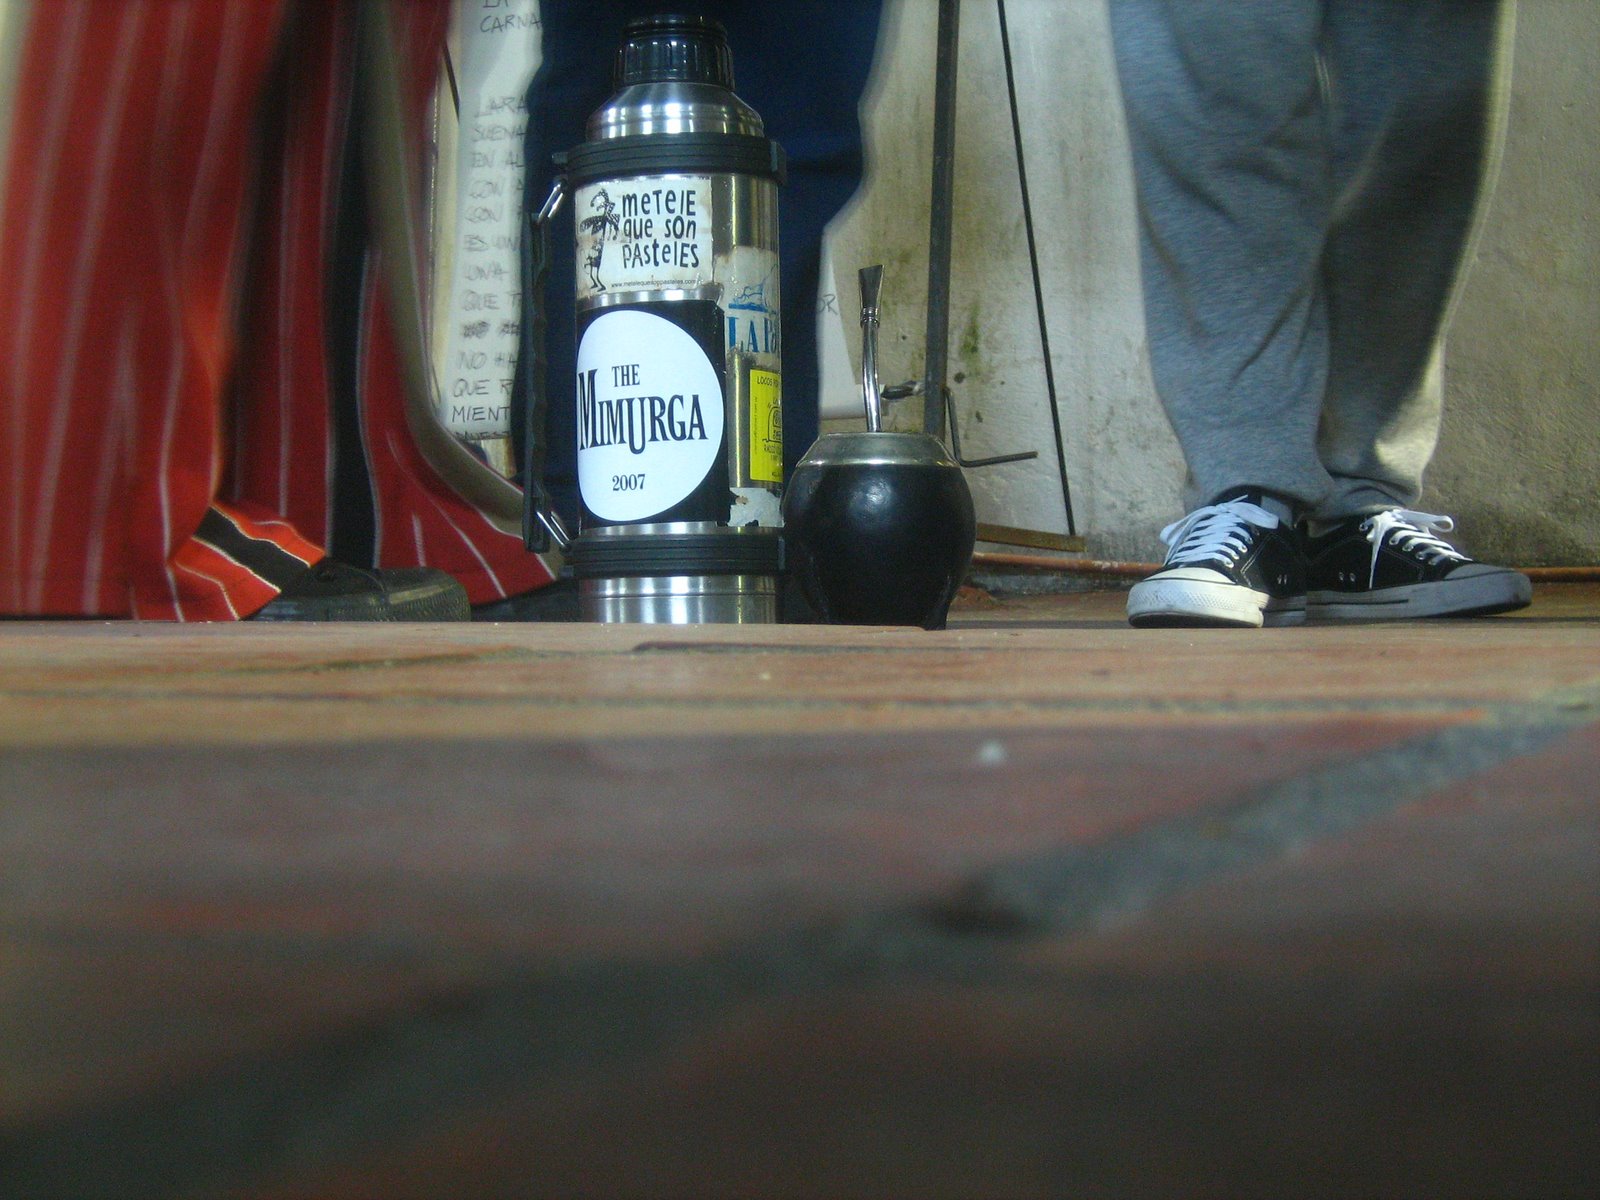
point(766, 426)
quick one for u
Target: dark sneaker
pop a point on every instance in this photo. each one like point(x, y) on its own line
point(1393, 564)
point(332, 591)
point(555, 601)
point(1232, 563)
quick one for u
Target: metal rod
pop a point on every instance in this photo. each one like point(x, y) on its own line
point(993, 460)
point(1064, 566)
point(1033, 262)
point(541, 524)
point(871, 281)
point(899, 391)
point(940, 217)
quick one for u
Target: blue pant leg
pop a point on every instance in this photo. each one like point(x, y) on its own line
point(803, 64)
point(578, 44)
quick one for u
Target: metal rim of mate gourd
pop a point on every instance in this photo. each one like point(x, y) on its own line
point(861, 449)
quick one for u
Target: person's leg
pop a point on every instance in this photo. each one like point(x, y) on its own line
point(1298, 256)
point(577, 44)
point(803, 65)
point(419, 519)
point(131, 190)
point(283, 453)
point(1229, 137)
point(1409, 84)
point(321, 435)
point(1228, 132)
point(126, 191)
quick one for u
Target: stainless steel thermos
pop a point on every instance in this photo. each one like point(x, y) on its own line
point(679, 377)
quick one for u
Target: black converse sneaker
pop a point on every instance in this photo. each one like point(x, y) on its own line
point(1231, 563)
point(1393, 564)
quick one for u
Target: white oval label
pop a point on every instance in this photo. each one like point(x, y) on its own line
point(649, 415)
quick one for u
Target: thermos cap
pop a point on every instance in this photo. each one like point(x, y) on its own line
point(674, 47)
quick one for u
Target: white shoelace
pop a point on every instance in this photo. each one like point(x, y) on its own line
point(1215, 531)
point(1411, 532)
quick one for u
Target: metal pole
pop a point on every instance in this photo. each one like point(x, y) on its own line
point(1033, 263)
point(939, 221)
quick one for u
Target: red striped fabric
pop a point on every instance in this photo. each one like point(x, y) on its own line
point(129, 353)
point(421, 521)
point(283, 382)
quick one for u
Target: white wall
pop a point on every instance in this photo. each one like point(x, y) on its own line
point(1518, 456)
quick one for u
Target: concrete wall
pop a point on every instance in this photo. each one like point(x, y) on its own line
point(1519, 459)
point(1519, 454)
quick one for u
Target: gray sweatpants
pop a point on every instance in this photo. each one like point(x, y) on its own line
point(1307, 174)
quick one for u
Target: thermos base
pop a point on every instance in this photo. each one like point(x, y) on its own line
point(680, 600)
point(717, 577)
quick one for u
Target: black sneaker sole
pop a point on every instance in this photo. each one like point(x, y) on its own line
point(556, 601)
point(1476, 595)
point(1159, 603)
point(430, 596)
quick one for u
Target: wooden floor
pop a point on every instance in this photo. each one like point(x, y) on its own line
point(1039, 905)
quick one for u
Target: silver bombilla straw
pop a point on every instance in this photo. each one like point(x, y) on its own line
point(871, 281)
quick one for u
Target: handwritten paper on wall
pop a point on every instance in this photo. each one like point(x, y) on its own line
point(497, 46)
